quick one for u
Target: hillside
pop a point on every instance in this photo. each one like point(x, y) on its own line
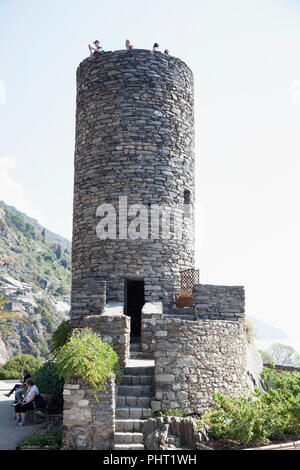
point(35, 277)
point(266, 331)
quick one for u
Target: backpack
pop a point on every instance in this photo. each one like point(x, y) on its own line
point(39, 402)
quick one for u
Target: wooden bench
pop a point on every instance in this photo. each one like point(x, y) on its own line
point(33, 413)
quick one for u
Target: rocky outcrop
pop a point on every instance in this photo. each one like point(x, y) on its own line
point(4, 352)
point(170, 432)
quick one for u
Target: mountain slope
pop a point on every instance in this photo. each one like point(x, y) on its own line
point(35, 275)
point(266, 331)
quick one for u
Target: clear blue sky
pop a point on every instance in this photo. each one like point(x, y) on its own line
point(245, 55)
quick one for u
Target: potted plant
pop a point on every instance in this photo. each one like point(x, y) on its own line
point(184, 300)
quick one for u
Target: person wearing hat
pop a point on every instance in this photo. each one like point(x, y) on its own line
point(96, 49)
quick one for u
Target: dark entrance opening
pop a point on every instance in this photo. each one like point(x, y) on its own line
point(134, 301)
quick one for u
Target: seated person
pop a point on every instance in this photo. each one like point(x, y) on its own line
point(27, 403)
point(19, 388)
point(128, 45)
point(96, 49)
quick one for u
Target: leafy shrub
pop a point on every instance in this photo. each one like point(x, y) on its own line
point(88, 356)
point(13, 368)
point(48, 381)
point(262, 416)
point(60, 336)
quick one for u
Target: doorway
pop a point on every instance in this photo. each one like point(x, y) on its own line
point(134, 301)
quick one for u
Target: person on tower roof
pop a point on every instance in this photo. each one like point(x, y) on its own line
point(96, 49)
point(155, 48)
point(128, 45)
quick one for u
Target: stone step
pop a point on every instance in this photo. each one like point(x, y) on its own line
point(129, 425)
point(128, 437)
point(133, 413)
point(136, 380)
point(133, 402)
point(128, 447)
point(135, 347)
point(139, 370)
point(140, 355)
point(135, 390)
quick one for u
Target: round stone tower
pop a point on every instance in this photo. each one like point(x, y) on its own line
point(134, 145)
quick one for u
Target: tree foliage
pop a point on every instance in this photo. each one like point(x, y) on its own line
point(60, 336)
point(284, 355)
point(13, 368)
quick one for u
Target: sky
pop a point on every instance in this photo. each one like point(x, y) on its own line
point(245, 56)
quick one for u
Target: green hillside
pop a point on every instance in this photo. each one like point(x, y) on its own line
point(35, 276)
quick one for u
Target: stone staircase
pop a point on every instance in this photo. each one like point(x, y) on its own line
point(133, 401)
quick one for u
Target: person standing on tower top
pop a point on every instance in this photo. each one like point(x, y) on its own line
point(96, 49)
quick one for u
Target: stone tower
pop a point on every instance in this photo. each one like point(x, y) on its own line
point(134, 145)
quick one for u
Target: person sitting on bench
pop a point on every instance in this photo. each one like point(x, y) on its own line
point(19, 388)
point(28, 402)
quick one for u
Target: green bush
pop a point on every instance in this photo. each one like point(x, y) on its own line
point(60, 336)
point(48, 381)
point(262, 416)
point(13, 368)
point(88, 356)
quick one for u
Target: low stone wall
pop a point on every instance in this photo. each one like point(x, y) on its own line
point(151, 312)
point(88, 298)
point(194, 359)
point(170, 432)
point(282, 368)
point(219, 302)
point(114, 328)
point(88, 424)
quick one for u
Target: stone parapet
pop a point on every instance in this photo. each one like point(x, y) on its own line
point(219, 302)
point(195, 359)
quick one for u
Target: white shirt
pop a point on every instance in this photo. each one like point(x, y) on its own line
point(30, 392)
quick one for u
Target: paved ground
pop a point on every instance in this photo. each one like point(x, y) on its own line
point(10, 434)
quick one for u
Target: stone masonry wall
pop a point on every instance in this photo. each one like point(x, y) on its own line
point(219, 302)
point(88, 424)
point(88, 298)
point(169, 432)
point(150, 313)
point(114, 328)
point(134, 138)
point(194, 359)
